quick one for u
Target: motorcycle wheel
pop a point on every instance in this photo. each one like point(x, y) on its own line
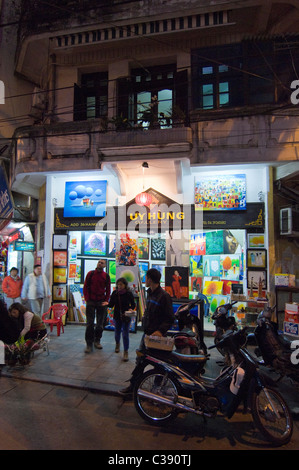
point(276, 427)
point(152, 411)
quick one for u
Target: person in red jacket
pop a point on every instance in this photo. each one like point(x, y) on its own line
point(12, 286)
point(96, 291)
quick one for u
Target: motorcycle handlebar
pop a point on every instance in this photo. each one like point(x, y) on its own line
point(187, 306)
point(228, 337)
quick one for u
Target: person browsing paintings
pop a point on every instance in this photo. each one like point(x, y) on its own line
point(122, 300)
point(157, 319)
point(96, 291)
point(12, 287)
point(36, 289)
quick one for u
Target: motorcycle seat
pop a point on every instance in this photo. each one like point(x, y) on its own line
point(189, 357)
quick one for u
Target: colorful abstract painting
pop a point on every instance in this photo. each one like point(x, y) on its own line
point(225, 192)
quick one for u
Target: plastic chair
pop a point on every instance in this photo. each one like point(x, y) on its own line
point(54, 317)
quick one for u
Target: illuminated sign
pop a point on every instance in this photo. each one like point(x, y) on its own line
point(19, 245)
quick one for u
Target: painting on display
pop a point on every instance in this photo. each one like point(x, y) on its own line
point(177, 248)
point(60, 242)
point(196, 266)
point(177, 281)
point(255, 278)
point(230, 267)
point(217, 300)
point(111, 245)
point(59, 293)
point(214, 242)
point(143, 248)
point(59, 258)
point(72, 270)
point(112, 270)
point(126, 249)
point(143, 268)
point(196, 284)
point(257, 258)
point(161, 269)
point(225, 192)
point(87, 199)
point(211, 265)
point(95, 243)
point(158, 249)
point(130, 273)
point(212, 287)
point(197, 244)
point(59, 275)
point(256, 240)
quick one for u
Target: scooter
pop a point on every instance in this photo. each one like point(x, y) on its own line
point(168, 389)
point(274, 348)
point(189, 339)
point(224, 323)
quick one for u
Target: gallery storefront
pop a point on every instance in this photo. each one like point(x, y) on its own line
point(218, 250)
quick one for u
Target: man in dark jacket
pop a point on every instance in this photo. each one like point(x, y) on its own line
point(158, 318)
point(96, 291)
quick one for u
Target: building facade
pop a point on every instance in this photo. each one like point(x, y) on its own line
point(193, 88)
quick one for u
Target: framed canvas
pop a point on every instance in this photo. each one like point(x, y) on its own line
point(254, 276)
point(72, 270)
point(59, 293)
point(221, 192)
point(143, 268)
point(112, 270)
point(59, 275)
point(59, 258)
point(256, 240)
point(95, 243)
point(111, 245)
point(158, 249)
point(60, 242)
point(161, 269)
point(143, 248)
point(257, 258)
point(177, 281)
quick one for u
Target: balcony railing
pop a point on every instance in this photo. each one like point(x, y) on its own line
point(83, 144)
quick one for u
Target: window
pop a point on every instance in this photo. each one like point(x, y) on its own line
point(91, 98)
point(248, 73)
point(216, 81)
point(149, 93)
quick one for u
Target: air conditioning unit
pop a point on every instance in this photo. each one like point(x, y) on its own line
point(289, 221)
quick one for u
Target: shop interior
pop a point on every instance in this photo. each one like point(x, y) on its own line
point(223, 265)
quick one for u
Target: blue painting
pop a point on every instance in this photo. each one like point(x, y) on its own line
point(86, 199)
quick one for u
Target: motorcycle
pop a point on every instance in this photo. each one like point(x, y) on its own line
point(189, 339)
point(224, 323)
point(274, 348)
point(170, 387)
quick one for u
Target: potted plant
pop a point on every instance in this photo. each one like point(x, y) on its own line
point(120, 123)
point(175, 117)
point(149, 114)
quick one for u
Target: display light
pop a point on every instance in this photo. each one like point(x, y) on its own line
point(143, 199)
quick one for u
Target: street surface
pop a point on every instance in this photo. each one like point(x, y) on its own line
point(39, 416)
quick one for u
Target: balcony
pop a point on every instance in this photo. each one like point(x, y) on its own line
point(84, 145)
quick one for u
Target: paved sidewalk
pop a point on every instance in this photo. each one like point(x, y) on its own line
point(103, 371)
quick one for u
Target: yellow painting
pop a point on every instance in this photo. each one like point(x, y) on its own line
point(213, 287)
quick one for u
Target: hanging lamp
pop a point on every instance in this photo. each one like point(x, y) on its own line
point(143, 198)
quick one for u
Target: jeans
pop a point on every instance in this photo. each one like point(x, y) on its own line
point(37, 306)
point(122, 327)
point(10, 301)
point(95, 310)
